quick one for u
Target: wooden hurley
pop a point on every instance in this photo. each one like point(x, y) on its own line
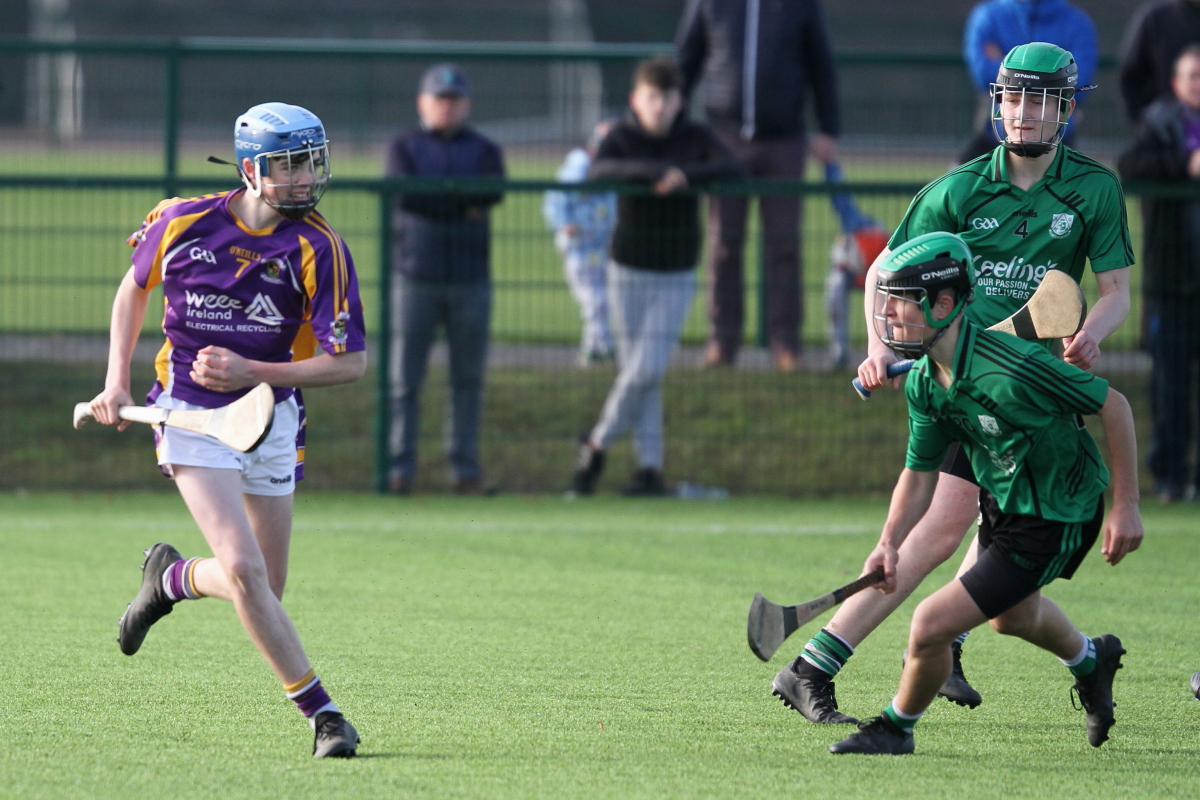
point(242, 424)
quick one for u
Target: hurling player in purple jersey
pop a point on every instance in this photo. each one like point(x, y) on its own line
point(258, 288)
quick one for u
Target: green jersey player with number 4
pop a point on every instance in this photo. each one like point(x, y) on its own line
point(1030, 206)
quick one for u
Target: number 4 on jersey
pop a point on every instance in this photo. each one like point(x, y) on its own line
point(1022, 229)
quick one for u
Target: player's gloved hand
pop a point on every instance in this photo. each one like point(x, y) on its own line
point(1122, 532)
point(884, 555)
point(104, 406)
point(1081, 350)
point(222, 370)
point(872, 373)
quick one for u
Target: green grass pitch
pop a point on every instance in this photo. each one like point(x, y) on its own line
point(532, 647)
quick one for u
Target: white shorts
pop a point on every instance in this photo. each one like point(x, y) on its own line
point(269, 470)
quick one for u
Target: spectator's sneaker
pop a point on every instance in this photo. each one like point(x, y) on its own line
point(955, 689)
point(879, 736)
point(334, 736)
point(1095, 690)
point(1196, 684)
point(588, 468)
point(646, 482)
point(810, 691)
point(151, 603)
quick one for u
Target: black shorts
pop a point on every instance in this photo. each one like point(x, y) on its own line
point(1019, 554)
point(957, 464)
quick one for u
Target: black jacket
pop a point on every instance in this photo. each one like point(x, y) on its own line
point(794, 55)
point(1171, 253)
point(653, 232)
point(1157, 34)
point(442, 238)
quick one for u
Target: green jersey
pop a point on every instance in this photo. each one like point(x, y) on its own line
point(1015, 408)
point(1075, 212)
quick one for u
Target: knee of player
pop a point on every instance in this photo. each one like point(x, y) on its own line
point(1010, 624)
point(927, 631)
point(248, 574)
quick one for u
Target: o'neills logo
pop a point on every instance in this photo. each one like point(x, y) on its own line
point(948, 272)
point(1029, 77)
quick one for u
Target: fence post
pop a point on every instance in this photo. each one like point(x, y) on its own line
point(762, 337)
point(171, 121)
point(383, 338)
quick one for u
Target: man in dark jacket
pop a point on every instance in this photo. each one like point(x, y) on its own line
point(440, 276)
point(1167, 148)
point(759, 60)
point(654, 249)
point(1156, 36)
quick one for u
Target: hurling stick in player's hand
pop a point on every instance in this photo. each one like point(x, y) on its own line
point(242, 424)
point(1055, 311)
point(770, 623)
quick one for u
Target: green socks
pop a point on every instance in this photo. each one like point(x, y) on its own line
point(827, 652)
point(902, 721)
point(1084, 663)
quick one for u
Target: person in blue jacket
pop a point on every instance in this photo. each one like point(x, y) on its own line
point(996, 26)
point(583, 224)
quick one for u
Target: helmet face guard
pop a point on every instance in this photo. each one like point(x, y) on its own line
point(905, 339)
point(297, 178)
point(1041, 108)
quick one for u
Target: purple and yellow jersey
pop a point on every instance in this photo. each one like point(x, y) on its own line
point(269, 295)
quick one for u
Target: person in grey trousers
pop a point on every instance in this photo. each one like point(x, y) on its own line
point(441, 277)
point(651, 269)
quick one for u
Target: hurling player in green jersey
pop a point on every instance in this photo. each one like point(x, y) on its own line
point(1014, 410)
point(1030, 206)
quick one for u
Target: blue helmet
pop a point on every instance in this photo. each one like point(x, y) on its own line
point(291, 140)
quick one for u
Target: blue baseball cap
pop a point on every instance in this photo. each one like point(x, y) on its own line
point(445, 79)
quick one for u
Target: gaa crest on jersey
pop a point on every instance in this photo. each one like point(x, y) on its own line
point(1060, 225)
point(989, 424)
point(271, 270)
point(338, 333)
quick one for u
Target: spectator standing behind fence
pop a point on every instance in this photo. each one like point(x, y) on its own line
point(759, 60)
point(996, 26)
point(441, 276)
point(651, 276)
point(1157, 34)
point(582, 223)
point(1167, 148)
